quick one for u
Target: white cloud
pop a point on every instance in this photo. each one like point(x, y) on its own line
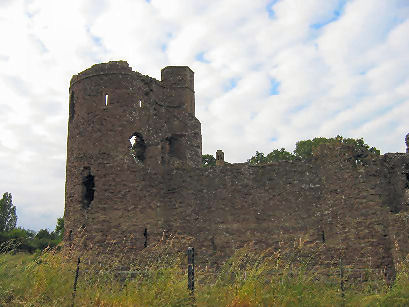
point(267, 74)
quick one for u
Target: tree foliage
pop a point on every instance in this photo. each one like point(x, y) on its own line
point(20, 239)
point(59, 228)
point(305, 150)
point(275, 155)
point(44, 239)
point(8, 216)
point(208, 160)
point(279, 154)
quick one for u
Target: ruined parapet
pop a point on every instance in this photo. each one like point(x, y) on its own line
point(113, 67)
point(219, 157)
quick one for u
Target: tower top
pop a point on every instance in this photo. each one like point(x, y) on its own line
point(112, 67)
point(178, 76)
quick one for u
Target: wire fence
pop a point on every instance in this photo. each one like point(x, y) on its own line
point(339, 276)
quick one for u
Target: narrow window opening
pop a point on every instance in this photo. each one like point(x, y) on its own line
point(71, 107)
point(88, 185)
point(213, 243)
point(106, 99)
point(145, 234)
point(140, 103)
point(138, 146)
point(323, 236)
point(70, 235)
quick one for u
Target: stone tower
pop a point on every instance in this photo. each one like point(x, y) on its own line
point(122, 124)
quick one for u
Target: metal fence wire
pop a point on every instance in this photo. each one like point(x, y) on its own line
point(339, 275)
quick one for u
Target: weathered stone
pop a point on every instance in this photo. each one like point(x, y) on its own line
point(219, 157)
point(120, 194)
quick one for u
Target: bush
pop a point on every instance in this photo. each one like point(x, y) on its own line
point(23, 240)
point(18, 239)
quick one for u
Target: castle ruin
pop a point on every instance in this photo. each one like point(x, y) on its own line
point(134, 176)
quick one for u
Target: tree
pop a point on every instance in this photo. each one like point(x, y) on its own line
point(275, 155)
point(44, 239)
point(279, 155)
point(44, 234)
point(258, 158)
point(208, 160)
point(8, 217)
point(305, 149)
point(17, 239)
point(59, 228)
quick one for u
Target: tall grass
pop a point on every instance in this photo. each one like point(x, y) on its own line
point(246, 279)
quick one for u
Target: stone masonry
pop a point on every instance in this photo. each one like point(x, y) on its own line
point(134, 172)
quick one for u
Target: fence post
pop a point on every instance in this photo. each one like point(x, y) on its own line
point(75, 281)
point(145, 234)
point(191, 269)
point(341, 275)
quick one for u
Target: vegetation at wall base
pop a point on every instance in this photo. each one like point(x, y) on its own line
point(246, 279)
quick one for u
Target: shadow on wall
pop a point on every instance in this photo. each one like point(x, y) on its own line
point(88, 187)
point(175, 146)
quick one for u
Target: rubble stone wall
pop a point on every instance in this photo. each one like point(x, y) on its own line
point(330, 206)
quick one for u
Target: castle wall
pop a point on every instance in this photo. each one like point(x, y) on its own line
point(331, 207)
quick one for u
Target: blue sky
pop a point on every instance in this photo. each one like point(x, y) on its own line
point(267, 74)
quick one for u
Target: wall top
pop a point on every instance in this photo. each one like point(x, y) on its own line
point(174, 76)
point(112, 67)
point(177, 76)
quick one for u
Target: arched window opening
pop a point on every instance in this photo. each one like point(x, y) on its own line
point(106, 99)
point(138, 146)
point(88, 187)
point(71, 107)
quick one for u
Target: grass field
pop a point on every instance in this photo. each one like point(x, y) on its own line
point(246, 279)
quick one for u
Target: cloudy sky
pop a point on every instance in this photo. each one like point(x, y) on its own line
point(267, 74)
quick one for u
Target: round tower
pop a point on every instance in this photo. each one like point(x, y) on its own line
point(122, 125)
